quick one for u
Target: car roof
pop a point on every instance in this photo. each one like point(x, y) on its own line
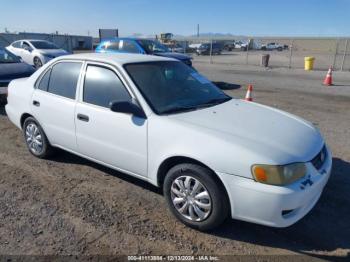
point(124, 38)
point(31, 40)
point(115, 58)
point(37, 40)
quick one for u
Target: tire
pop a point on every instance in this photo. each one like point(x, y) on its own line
point(31, 131)
point(37, 62)
point(214, 205)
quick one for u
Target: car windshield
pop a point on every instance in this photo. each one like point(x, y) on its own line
point(7, 57)
point(172, 87)
point(152, 46)
point(43, 45)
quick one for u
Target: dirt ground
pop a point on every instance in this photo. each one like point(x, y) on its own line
point(71, 206)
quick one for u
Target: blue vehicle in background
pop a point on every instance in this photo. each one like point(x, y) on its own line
point(11, 67)
point(140, 46)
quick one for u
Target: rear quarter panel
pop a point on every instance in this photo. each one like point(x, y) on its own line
point(19, 98)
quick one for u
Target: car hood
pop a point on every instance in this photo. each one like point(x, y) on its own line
point(10, 71)
point(173, 55)
point(280, 137)
point(53, 52)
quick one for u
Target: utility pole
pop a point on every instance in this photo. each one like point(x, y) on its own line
point(198, 30)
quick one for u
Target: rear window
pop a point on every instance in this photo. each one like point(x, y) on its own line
point(17, 44)
point(111, 45)
point(128, 46)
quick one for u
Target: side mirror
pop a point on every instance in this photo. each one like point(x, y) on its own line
point(127, 107)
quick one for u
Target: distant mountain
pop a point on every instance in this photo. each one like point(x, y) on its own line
point(201, 35)
point(210, 34)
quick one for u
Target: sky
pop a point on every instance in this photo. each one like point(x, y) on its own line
point(180, 17)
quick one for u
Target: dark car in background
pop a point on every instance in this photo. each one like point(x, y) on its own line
point(140, 46)
point(11, 67)
point(206, 48)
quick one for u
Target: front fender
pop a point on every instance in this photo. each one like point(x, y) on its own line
point(168, 138)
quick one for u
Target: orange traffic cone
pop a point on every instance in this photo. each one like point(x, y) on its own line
point(248, 96)
point(328, 80)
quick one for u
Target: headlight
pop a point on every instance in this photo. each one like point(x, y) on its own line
point(278, 175)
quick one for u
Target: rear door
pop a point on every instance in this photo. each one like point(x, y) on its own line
point(116, 139)
point(54, 100)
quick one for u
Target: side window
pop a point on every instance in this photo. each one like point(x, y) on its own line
point(103, 86)
point(128, 46)
point(44, 82)
point(64, 79)
point(25, 45)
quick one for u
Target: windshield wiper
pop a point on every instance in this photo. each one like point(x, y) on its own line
point(178, 109)
point(209, 103)
point(214, 101)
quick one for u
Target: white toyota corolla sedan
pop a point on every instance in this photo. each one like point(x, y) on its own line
point(161, 121)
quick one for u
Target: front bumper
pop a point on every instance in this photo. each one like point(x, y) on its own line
point(276, 206)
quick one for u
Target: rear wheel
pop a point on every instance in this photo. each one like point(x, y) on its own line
point(36, 139)
point(37, 62)
point(195, 197)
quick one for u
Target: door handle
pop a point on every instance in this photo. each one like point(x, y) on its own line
point(82, 117)
point(36, 103)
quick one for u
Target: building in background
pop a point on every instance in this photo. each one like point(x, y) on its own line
point(67, 42)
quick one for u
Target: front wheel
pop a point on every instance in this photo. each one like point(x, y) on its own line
point(195, 197)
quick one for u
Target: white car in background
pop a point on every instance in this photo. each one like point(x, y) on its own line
point(161, 121)
point(273, 46)
point(36, 52)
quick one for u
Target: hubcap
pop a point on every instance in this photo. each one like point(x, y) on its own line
point(34, 138)
point(190, 198)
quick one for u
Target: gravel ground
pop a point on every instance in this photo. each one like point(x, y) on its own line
point(71, 206)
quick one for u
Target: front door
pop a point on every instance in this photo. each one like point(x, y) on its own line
point(116, 139)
